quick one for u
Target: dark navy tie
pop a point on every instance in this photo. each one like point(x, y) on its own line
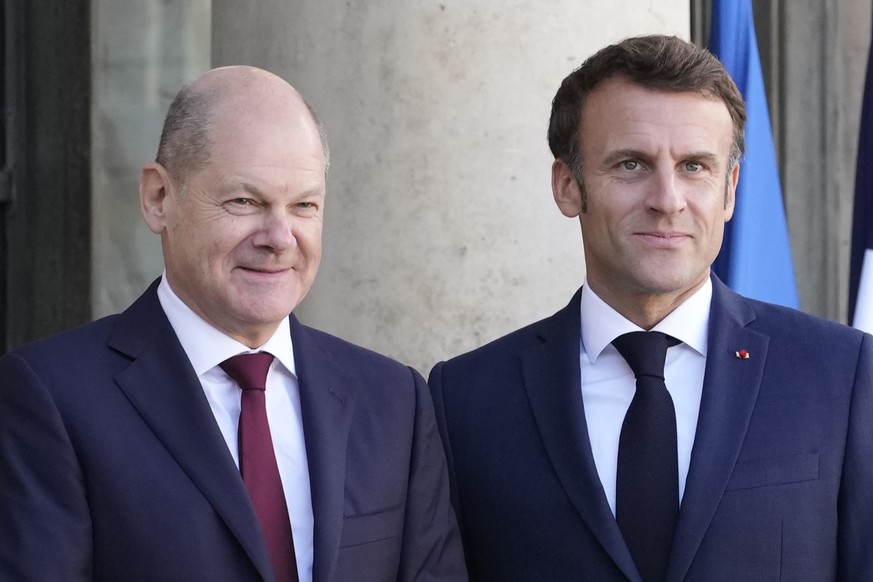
point(257, 461)
point(647, 486)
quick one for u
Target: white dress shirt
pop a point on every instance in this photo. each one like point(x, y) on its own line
point(206, 347)
point(608, 384)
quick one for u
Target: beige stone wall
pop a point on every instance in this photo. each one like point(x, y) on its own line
point(143, 52)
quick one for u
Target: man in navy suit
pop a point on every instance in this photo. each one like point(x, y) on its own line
point(118, 440)
point(773, 431)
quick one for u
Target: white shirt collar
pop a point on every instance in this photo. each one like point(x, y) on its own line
point(601, 324)
point(206, 346)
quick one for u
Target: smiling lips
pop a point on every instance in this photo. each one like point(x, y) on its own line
point(666, 240)
point(266, 271)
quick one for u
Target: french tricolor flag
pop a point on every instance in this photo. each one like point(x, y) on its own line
point(861, 269)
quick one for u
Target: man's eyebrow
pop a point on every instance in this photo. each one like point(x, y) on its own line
point(248, 187)
point(623, 154)
point(242, 186)
point(630, 153)
point(702, 156)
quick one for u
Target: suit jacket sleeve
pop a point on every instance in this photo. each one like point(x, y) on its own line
point(432, 545)
point(43, 505)
point(435, 385)
point(855, 538)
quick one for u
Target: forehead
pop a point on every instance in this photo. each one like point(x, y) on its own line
point(621, 114)
point(274, 136)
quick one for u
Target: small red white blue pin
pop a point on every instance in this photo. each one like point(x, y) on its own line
point(742, 354)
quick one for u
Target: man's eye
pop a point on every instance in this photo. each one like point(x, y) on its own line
point(629, 165)
point(307, 208)
point(242, 201)
point(693, 166)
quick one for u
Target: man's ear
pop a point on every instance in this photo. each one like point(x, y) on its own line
point(730, 195)
point(156, 196)
point(566, 191)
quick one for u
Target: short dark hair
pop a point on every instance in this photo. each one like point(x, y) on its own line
point(185, 142)
point(185, 138)
point(657, 62)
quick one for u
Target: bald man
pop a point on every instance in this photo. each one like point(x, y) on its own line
point(121, 444)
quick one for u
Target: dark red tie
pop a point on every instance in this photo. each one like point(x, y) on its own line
point(647, 480)
point(257, 462)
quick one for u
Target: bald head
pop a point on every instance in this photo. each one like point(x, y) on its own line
point(219, 99)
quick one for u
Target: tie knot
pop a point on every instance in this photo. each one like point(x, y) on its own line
point(645, 351)
point(249, 370)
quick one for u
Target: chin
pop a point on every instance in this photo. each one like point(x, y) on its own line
point(265, 314)
point(662, 286)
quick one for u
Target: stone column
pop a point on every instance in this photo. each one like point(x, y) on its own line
point(440, 232)
point(143, 53)
point(821, 53)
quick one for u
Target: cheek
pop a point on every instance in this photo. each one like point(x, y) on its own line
point(223, 241)
point(720, 214)
point(715, 234)
point(611, 221)
point(310, 241)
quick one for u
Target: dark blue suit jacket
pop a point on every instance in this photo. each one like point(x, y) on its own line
point(112, 466)
point(781, 479)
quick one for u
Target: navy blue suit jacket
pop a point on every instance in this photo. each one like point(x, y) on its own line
point(112, 466)
point(781, 479)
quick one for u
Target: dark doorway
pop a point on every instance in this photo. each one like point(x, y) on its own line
point(45, 180)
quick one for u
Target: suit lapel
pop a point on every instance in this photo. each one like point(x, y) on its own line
point(327, 401)
point(552, 381)
point(730, 390)
point(162, 386)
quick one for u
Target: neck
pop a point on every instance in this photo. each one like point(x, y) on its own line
point(643, 309)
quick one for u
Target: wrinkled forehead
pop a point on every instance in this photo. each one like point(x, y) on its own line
point(621, 114)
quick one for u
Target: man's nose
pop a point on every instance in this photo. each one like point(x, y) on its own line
point(277, 231)
point(666, 194)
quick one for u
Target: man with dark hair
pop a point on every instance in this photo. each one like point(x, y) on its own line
point(204, 433)
point(660, 427)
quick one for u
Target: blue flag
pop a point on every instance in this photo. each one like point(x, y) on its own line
point(861, 269)
point(755, 258)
